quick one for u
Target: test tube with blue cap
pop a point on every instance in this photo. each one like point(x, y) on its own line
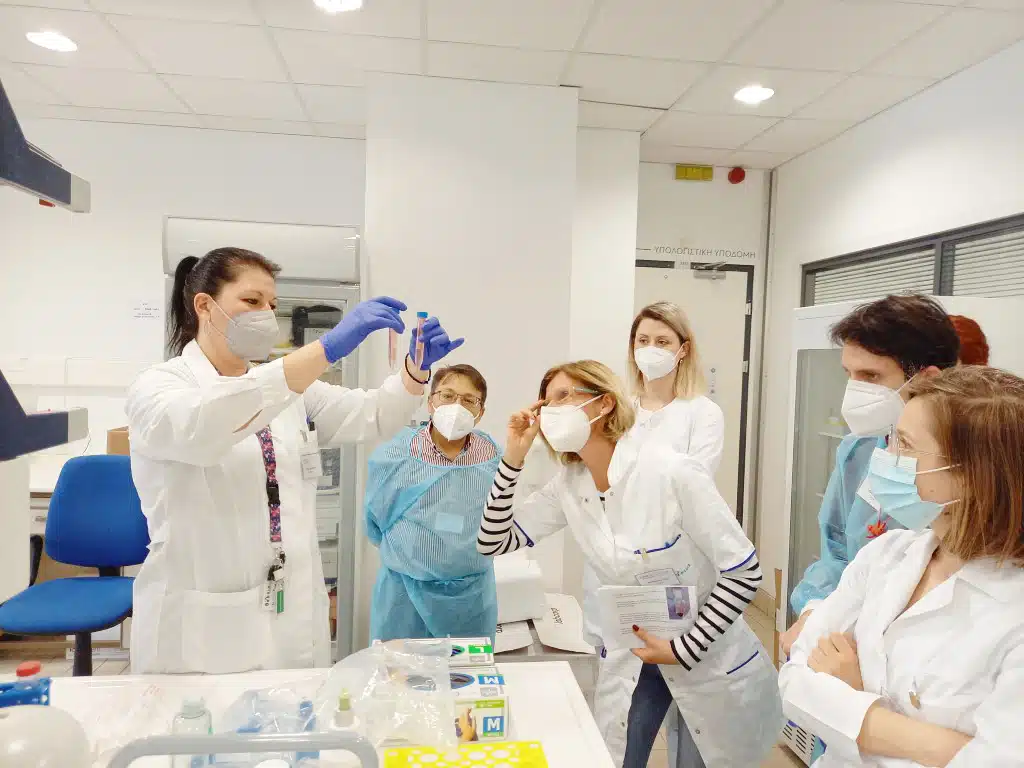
point(421, 319)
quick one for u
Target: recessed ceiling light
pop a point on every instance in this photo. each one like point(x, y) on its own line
point(753, 95)
point(338, 6)
point(53, 41)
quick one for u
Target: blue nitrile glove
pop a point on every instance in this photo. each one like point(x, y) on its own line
point(367, 317)
point(436, 344)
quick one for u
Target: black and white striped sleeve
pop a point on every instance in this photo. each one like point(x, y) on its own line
point(726, 603)
point(535, 515)
point(498, 532)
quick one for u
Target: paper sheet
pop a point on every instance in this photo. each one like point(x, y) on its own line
point(512, 636)
point(562, 625)
point(664, 611)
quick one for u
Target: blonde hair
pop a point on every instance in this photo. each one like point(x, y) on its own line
point(598, 378)
point(689, 381)
point(978, 420)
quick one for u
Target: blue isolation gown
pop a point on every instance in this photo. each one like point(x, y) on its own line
point(424, 517)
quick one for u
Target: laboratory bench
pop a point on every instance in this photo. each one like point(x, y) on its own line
point(546, 705)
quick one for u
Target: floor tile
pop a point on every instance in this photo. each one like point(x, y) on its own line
point(782, 758)
point(659, 759)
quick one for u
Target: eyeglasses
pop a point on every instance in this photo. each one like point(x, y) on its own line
point(448, 397)
point(896, 446)
point(567, 395)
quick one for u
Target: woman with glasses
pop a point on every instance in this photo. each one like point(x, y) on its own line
point(917, 658)
point(653, 517)
point(424, 492)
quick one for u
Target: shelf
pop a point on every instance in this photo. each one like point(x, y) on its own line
point(831, 435)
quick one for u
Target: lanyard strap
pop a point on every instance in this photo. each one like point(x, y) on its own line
point(273, 489)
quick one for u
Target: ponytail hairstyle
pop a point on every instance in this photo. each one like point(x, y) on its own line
point(206, 275)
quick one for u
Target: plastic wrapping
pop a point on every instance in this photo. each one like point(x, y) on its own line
point(267, 710)
point(400, 691)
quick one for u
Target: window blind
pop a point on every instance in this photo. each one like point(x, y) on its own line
point(868, 280)
point(990, 266)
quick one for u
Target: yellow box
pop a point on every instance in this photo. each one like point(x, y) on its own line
point(521, 754)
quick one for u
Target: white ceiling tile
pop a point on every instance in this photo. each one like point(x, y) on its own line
point(666, 153)
point(519, 24)
point(764, 160)
point(502, 65)
point(195, 48)
point(251, 125)
point(1003, 5)
point(793, 89)
point(98, 46)
point(337, 131)
point(71, 5)
point(684, 129)
point(626, 80)
point(108, 89)
point(693, 30)
point(59, 112)
point(319, 58)
point(955, 42)
point(386, 18)
point(830, 34)
point(238, 98)
point(334, 104)
point(596, 115)
point(862, 96)
point(221, 11)
point(20, 87)
point(796, 136)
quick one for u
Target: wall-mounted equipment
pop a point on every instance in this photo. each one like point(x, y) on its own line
point(28, 168)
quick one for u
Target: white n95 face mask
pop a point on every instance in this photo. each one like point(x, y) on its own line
point(566, 427)
point(871, 410)
point(453, 421)
point(655, 363)
point(250, 335)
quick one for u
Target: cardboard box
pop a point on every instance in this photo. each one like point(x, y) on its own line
point(481, 704)
point(117, 441)
point(472, 652)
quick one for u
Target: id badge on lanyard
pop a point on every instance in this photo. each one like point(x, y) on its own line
point(272, 594)
point(309, 456)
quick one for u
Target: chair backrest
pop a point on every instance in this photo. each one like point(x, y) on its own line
point(95, 518)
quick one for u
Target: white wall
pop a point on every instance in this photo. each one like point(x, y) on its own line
point(948, 158)
point(469, 216)
point(603, 245)
point(71, 281)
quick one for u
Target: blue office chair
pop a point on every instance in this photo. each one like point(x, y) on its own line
point(95, 521)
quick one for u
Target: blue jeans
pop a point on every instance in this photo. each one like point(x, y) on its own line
point(651, 700)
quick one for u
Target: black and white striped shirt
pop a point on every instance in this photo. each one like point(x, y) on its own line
point(735, 589)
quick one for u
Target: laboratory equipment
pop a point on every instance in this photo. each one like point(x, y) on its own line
point(307, 716)
point(317, 286)
point(23, 433)
point(28, 168)
point(193, 719)
point(393, 339)
point(29, 688)
point(421, 319)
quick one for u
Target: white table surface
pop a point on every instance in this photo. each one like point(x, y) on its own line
point(546, 705)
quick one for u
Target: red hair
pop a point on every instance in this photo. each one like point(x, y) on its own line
point(973, 344)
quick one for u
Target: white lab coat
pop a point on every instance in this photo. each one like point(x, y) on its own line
point(694, 427)
point(730, 700)
point(203, 491)
point(959, 650)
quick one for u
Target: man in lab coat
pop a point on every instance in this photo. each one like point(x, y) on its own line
point(884, 344)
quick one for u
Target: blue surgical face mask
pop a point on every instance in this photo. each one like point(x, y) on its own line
point(893, 483)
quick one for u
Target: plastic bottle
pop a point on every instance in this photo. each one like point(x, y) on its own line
point(421, 319)
point(344, 720)
point(193, 719)
point(30, 687)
